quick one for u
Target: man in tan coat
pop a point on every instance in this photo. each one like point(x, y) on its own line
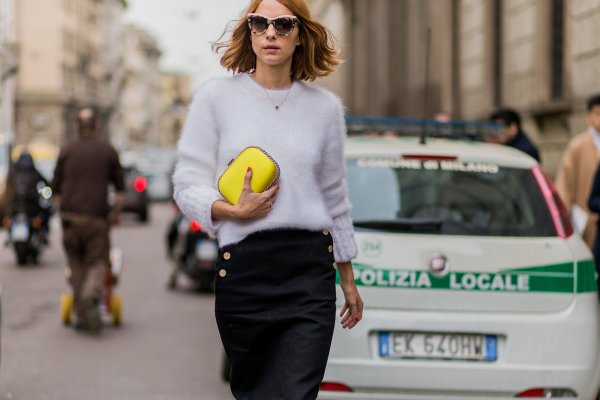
point(578, 167)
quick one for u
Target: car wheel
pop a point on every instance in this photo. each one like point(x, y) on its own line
point(143, 216)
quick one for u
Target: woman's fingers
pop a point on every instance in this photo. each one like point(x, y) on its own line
point(347, 320)
point(344, 309)
point(269, 195)
point(247, 180)
point(272, 191)
point(253, 204)
point(356, 314)
point(351, 312)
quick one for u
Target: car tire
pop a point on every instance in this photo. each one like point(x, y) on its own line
point(143, 216)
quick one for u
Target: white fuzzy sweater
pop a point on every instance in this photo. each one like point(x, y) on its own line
point(306, 138)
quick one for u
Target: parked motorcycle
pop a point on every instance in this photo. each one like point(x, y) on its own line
point(193, 253)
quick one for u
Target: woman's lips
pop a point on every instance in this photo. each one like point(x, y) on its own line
point(271, 49)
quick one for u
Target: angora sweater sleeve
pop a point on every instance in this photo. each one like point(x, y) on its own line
point(333, 186)
point(194, 176)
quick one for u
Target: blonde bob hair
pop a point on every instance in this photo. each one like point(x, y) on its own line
point(315, 57)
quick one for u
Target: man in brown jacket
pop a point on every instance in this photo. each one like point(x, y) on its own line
point(85, 168)
point(578, 167)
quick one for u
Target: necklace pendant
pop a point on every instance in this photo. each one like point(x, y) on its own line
point(277, 108)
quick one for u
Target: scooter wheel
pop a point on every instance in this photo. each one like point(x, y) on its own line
point(66, 308)
point(116, 309)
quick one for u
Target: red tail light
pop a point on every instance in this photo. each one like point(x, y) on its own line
point(334, 387)
point(532, 393)
point(195, 226)
point(561, 220)
point(140, 184)
point(546, 393)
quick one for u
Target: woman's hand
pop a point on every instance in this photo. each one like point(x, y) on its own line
point(253, 205)
point(351, 313)
point(250, 204)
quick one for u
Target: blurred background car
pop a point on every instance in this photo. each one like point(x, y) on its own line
point(157, 164)
point(159, 184)
point(136, 193)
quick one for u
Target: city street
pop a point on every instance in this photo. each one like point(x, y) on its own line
point(443, 155)
point(167, 348)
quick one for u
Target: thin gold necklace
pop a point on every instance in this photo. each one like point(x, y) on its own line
point(273, 103)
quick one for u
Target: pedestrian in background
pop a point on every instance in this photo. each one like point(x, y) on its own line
point(513, 134)
point(85, 168)
point(275, 284)
point(576, 173)
point(22, 191)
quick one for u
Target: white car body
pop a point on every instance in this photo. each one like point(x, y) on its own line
point(530, 301)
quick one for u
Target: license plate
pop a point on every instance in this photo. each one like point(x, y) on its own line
point(442, 346)
point(19, 231)
point(206, 250)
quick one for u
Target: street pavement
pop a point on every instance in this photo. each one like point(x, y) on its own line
point(167, 348)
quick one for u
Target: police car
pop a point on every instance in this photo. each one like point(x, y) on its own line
point(474, 283)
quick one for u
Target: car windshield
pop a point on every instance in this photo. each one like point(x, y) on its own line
point(130, 173)
point(446, 197)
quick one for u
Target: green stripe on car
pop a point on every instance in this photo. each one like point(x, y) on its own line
point(586, 276)
point(555, 278)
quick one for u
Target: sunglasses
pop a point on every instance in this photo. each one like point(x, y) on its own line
point(284, 24)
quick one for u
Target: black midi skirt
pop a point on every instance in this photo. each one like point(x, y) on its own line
point(275, 310)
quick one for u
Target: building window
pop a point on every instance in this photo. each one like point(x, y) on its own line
point(69, 80)
point(68, 42)
point(497, 52)
point(557, 49)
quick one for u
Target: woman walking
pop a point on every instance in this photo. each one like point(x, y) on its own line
point(275, 283)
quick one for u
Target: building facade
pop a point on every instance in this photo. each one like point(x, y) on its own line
point(330, 13)
point(414, 58)
point(142, 90)
point(8, 69)
point(176, 96)
point(65, 61)
point(111, 45)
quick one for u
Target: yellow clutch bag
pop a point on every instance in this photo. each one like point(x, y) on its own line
point(265, 172)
